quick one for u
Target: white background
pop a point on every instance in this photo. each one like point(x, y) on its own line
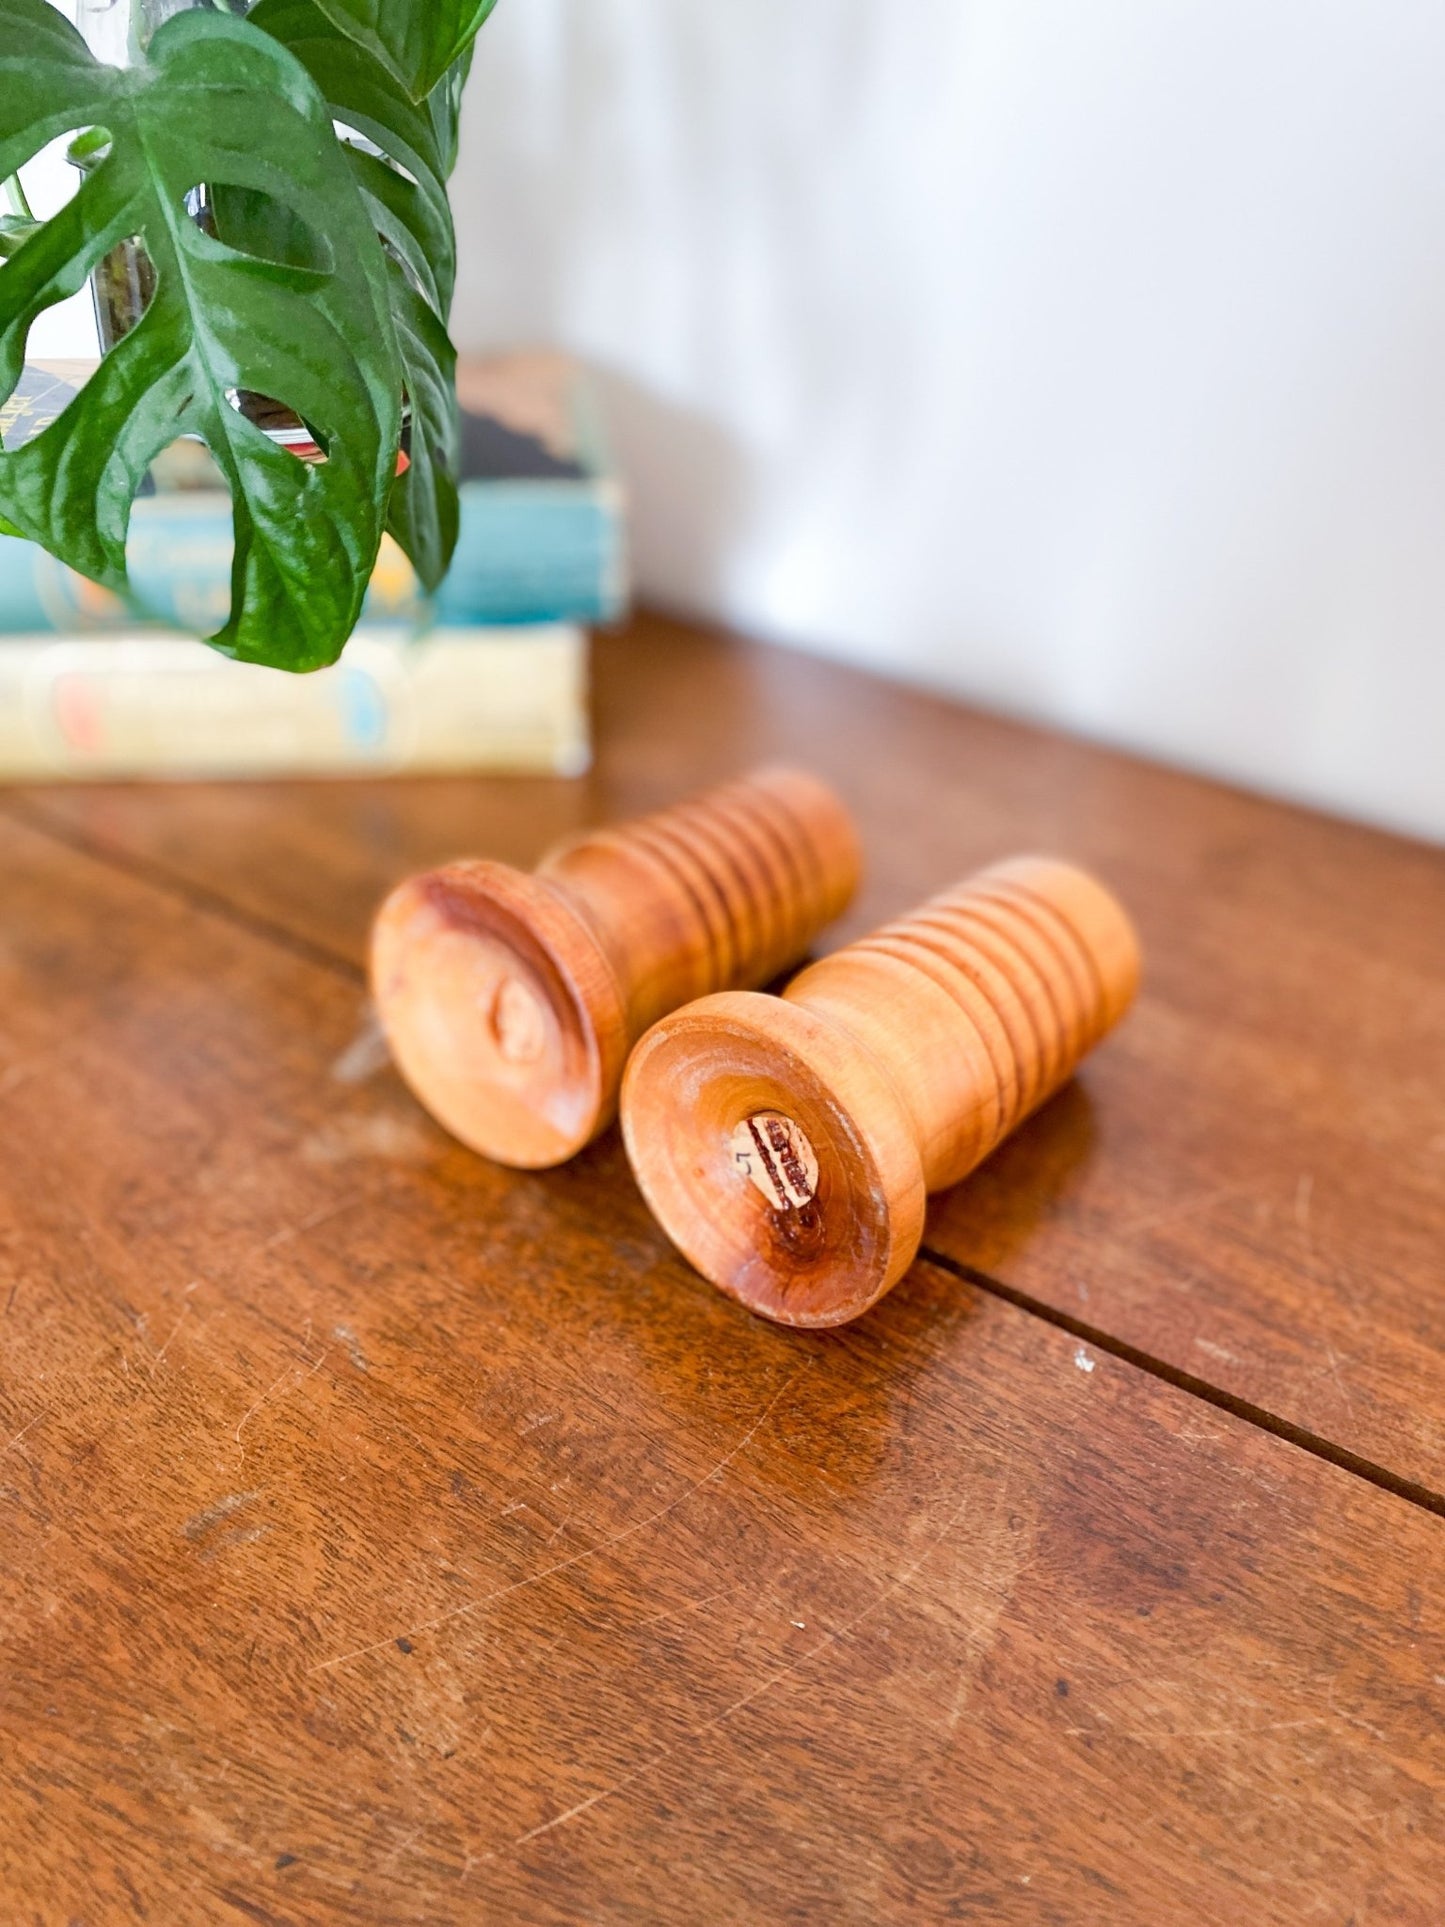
point(1086, 357)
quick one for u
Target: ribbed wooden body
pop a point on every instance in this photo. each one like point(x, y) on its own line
point(720, 892)
point(787, 1144)
point(511, 1001)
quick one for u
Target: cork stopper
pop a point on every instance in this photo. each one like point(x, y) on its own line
point(511, 1001)
point(787, 1145)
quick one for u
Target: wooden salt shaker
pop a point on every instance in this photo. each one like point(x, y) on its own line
point(787, 1143)
point(510, 1001)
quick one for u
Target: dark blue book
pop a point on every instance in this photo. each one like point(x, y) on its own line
point(542, 526)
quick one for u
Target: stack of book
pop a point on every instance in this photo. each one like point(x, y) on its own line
point(491, 675)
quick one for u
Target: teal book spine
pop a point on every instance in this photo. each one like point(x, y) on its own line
point(529, 552)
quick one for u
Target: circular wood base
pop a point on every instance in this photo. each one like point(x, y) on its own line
point(808, 1222)
point(501, 1011)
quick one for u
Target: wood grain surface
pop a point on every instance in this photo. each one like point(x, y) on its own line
point(1246, 1186)
point(390, 1537)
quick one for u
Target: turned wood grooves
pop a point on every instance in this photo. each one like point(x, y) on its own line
point(511, 1001)
point(1036, 962)
point(723, 891)
point(892, 1068)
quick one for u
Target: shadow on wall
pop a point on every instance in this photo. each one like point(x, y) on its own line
point(694, 480)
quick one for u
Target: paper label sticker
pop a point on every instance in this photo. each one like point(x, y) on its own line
point(774, 1156)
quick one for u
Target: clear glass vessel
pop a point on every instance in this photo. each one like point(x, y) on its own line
point(117, 31)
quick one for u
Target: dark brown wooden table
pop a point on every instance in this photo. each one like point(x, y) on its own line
point(387, 1537)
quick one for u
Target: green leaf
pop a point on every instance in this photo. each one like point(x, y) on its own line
point(412, 214)
point(215, 101)
point(415, 40)
point(425, 511)
point(15, 230)
point(445, 102)
point(87, 145)
point(413, 217)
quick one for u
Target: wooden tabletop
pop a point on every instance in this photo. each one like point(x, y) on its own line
point(389, 1537)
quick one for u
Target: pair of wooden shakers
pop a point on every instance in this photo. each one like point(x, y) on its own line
point(787, 1143)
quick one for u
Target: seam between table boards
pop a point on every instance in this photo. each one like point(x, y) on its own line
point(1242, 1408)
point(200, 896)
point(212, 902)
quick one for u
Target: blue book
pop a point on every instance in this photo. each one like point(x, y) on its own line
point(542, 526)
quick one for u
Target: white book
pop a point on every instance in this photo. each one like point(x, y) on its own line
point(156, 704)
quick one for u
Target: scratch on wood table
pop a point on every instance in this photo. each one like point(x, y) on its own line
point(468, 1607)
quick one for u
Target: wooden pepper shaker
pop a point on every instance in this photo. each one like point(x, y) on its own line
point(787, 1143)
point(510, 1001)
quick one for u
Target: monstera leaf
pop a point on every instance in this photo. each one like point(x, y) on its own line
point(304, 318)
point(425, 511)
point(404, 184)
point(415, 40)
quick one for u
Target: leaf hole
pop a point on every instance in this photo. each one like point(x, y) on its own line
point(123, 287)
point(283, 425)
point(364, 144)
point(249, 221)
point(62, 325)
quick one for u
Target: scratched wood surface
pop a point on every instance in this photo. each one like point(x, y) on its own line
point(1247, 1185)
point(389, 1537)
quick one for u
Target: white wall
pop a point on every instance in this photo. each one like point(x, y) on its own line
point(1083, 356)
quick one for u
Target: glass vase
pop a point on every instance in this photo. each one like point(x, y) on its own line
point(118, 31)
